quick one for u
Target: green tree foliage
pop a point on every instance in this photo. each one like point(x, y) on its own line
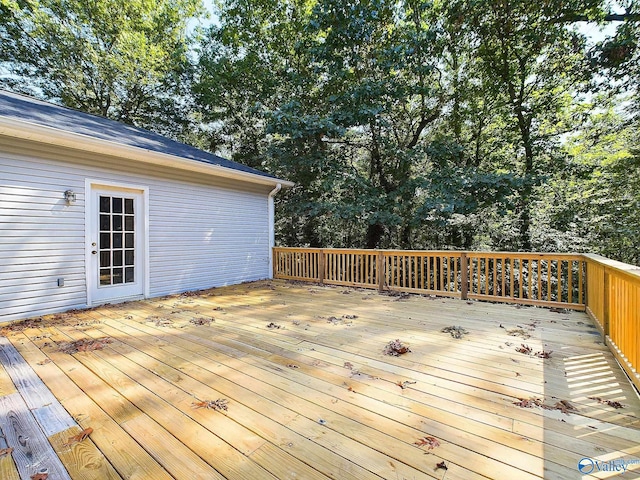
point(602, 200)
point(536, 68)
point(127, 60)
point(347, 101)
point(408, 124)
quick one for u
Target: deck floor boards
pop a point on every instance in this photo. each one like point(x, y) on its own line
point(311, 394)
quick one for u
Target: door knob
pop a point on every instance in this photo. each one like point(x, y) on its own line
point(93, 252)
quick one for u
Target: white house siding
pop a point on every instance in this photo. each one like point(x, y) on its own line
point(203, 231)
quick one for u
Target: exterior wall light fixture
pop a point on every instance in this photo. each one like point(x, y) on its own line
point(70, 196)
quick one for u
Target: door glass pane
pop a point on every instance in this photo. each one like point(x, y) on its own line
point(128, 223)
point(117, 276)
point(116, 248)
point(128, 205)
point(117, 240)
point(105, 203)
point(105, 276)
point(105, 240)
point(128, 257)
point(105, 259)
point(128, 275)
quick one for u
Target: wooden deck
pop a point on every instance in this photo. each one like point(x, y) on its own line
point(311, 394)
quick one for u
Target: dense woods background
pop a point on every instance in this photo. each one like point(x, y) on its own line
point(465, 124)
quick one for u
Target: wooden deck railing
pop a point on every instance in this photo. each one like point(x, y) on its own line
point(613, 302)
point(548, 279)
point(609, 291)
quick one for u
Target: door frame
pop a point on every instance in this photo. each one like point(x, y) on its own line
point(90, 231)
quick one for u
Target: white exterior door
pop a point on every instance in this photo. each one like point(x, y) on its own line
point(116, 242)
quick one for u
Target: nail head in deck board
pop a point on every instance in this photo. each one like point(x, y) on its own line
point(46, 409)
point(32, 451)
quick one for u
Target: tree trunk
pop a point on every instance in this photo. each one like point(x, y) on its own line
point(527, 189)
point(374, 235)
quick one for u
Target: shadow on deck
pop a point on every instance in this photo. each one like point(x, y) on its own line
point(305, 390)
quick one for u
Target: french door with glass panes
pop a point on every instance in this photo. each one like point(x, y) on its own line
point(117, 242)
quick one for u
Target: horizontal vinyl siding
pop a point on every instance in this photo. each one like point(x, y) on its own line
point(41, 240)
point(202, 237)
point(203, 232)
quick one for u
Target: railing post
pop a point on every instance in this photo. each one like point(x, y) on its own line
point(321, 263)
point(606, 302)
point(380, 270)
point(464, 276)
point(274, 262)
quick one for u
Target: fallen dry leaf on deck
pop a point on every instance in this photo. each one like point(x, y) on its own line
point(611, 403)
point(84, 345)
point(456, 332)
point(557, 310)
point(441, 465)
point(564, 406)
point(6, 451)
point(45, 361)
point(429, 442)
point(519, 332)
point(160, 321)
point(202, 321)
point(526, 349)
point(529, 402)
point(404, 384)
point(401, 296)
point(544, 354)
point(219, 404)
point(348, 365)
point(291, 365)
point(79, 437)
point(395, 348)
point(273, 325)
point(39, 476)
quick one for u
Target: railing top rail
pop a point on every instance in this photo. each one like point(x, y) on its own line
point(471, 253)
point(451, 253)
point(631, 271)
point(527, 255)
